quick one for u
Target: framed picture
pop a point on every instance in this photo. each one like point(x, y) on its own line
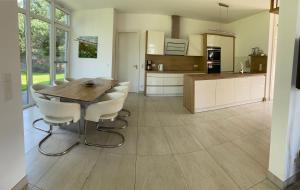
point(88, 46)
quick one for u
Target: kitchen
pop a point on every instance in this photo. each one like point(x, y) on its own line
point(202, 69)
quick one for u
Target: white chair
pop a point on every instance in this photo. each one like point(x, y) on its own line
point(107, 109)
point(123, 87)
point(58, 114)
point(33, 89)
point(60, 82)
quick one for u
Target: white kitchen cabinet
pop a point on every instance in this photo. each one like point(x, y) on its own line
point(242, 87)
point(257, 87)
point(213, 40)
point(173, 90)
point(226, 43)
point(195, 45)
point(155, 81)
point(227, 48)
point(155, 90)
point(155, 42)
point(205, 94)
point(225, 93)
point(173, 81)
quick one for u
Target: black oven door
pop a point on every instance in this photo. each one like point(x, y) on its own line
point(213, 67)
point(214, 54)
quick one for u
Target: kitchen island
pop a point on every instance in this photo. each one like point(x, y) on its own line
point(204, 92)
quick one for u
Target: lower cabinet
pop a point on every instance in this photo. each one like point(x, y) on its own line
point(210, 94)
point(164, 84)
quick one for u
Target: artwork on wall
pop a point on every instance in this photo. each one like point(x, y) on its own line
point(88, 46)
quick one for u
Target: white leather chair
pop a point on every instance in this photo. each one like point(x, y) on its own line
point(107, 109)
point(58, 114)
point(123, 87)
point(33, 89)
point(60, 82)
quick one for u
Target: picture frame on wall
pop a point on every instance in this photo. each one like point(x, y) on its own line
point(88, 47)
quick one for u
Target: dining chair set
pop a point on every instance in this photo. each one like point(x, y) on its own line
point(108, 107)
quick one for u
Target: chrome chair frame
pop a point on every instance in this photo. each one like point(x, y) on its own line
point(50, 133)
point(101, 129)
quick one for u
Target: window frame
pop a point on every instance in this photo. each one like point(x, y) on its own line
point(52, 35)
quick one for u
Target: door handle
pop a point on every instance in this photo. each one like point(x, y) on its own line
point(135, 66)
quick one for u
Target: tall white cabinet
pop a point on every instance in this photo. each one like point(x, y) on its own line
point(226, 43)
point(195, 45)
point(155, 42)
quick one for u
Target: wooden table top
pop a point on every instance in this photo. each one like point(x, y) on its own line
point(77, 90)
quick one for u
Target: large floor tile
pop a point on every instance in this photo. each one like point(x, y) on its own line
point(112, 172)
point(256, 148)
point(181, 141)
point(245, 171)
point(71, 171)
point(152, 141)
point(203, 173)
point(159, 173)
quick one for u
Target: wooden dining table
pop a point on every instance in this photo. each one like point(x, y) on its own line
point(78, 91)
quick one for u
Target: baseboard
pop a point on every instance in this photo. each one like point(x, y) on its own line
point(21, 184)
point(283, 184)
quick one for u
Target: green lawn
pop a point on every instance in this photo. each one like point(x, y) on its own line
point(42, 78)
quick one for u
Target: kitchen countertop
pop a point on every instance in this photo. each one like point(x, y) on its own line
point(221, 76)
point(186, 72)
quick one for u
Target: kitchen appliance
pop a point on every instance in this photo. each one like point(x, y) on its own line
point(176, 46)
point(148, 65)
point(160, 67)
point(213, 59)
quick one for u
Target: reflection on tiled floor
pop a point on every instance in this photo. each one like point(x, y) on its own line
point(166, 148)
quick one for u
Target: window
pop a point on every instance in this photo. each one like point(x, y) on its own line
point(40, 42)
point(40, 8)
point(61, 16)
point(44, 42)
point(21, 3)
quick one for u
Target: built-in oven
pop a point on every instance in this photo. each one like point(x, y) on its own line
point(213, 59)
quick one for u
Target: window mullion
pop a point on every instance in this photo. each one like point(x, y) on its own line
point(52, 42)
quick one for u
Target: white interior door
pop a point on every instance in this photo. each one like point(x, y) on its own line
point(128, 59)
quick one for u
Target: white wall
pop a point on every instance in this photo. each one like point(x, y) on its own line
point(12, 163)
point(250, 32)
point(285, 135)
point(96, 22)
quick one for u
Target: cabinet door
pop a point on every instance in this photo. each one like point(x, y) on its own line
point(225, 92)
point(195, 45)
point(155, 43)
point(155, 90)
point(205, 94)
point(242, 88)
point(257, 87)
point(158, 81)
point(227, 53)
point(213, 41)
point(173, 90)
point(173, 81)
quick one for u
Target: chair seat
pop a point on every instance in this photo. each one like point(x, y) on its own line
point(109, 116)
point(55, 120)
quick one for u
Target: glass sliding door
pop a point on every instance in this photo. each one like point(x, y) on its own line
point(61, 56)
point(22, 47)
point(40, 43)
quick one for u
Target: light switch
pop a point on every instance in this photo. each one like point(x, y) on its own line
point(5, 87)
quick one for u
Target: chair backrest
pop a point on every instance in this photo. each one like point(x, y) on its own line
point(56, 109)
point(111, 103)
point(60, 82)
point(37, 87)
point(123, 89)
point(127, 83)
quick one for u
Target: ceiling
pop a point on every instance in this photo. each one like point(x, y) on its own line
point(198, 9)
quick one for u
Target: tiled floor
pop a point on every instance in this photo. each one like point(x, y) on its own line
point(166, 149)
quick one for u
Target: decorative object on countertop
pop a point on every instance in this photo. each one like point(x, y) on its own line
point(160, 67)
point(258, 64)
point(256, 51)
point(148, 65)
point(242, 67)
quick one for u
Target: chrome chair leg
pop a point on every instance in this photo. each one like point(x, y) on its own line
point(59, 153)
point(124, 126)
point(36, 121)
point(103, 145)
point(124, 113)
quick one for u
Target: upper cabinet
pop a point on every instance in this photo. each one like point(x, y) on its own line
point(155, 42)
point(226, 43)
point(195, 45)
